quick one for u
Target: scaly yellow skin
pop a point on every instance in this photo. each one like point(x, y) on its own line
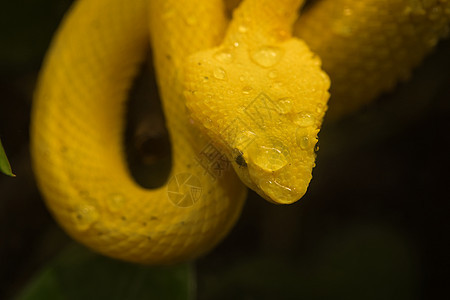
point(368, 46)
point(78, 120)
point(253, 92)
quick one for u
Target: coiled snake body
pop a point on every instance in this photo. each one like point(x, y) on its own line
point(256, 99)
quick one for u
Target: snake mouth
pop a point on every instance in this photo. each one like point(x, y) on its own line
point(279, 193)
point(276, 187)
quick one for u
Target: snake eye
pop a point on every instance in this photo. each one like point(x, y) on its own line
point(239, 157)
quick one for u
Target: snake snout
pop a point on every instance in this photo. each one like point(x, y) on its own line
point(281, 193)
point(276, 174)
point(278, 187)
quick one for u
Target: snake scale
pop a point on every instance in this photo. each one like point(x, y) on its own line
point(243, 101)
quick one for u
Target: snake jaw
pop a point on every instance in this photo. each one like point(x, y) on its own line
point(279, 193)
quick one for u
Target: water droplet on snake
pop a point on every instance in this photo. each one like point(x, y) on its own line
point(319, 108)
point(115, 202)
point(246, 90)
point(267, 56)
point(220, 74)
point(224, 56)
point(242, 29)
point(277, 85)
point(316, 147)
point(284, 105)
point(244, 138)
point(304, 119)
point(208, 123)
point(271, 158)
point(303, 141)
point(85, 216)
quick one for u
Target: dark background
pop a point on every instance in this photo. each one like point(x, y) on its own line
point(374, 223)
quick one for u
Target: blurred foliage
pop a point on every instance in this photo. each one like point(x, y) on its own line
point(5, 167)
point(373, 225)
point(81, 274)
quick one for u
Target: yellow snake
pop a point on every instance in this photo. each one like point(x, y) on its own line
point(243, 102)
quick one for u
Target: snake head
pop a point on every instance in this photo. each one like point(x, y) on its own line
point(263, 107)
point(261, 97)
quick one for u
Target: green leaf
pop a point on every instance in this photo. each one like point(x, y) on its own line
point(81, 274)
point(5, 167)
